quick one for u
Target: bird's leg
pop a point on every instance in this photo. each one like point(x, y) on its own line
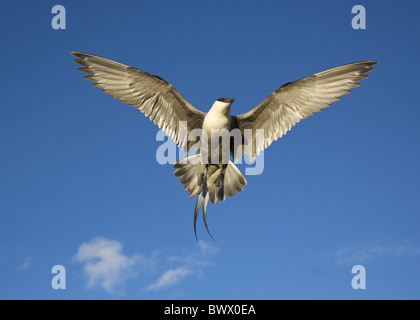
point(221, 176)
point(220, 183)
point(206, 169)
point(202, 178)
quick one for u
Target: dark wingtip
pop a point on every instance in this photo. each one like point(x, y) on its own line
point(79, 60)
point(78, 54)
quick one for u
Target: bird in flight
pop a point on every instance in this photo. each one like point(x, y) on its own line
point(208, 174)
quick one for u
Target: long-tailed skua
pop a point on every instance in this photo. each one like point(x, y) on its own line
point(215, 178)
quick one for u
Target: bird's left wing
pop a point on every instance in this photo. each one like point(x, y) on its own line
point(151, 94)
point(294, 101)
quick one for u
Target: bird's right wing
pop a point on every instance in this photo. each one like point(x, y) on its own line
point(152, 95)
point(294, 101)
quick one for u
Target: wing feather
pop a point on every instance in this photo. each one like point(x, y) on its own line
point(295, 101)
point(152, 95)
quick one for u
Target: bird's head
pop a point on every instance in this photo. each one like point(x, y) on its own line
point(222, 105)
point(226, 100)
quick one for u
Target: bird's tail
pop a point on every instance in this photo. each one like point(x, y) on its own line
point(209, 181)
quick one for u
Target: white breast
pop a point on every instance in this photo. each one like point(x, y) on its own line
point(218, 117)
point(215, 121)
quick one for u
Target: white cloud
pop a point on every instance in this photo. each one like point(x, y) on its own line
point(105, 264)
point(169, 278)
point(27, 263)
point(360, 253)
point(190, 264)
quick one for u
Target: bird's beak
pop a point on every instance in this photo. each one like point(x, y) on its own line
point(232, 100)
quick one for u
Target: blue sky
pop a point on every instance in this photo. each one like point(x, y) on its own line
point(81, 187)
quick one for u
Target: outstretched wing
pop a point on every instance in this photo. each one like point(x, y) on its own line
point(151, 94)
point(295, 101)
